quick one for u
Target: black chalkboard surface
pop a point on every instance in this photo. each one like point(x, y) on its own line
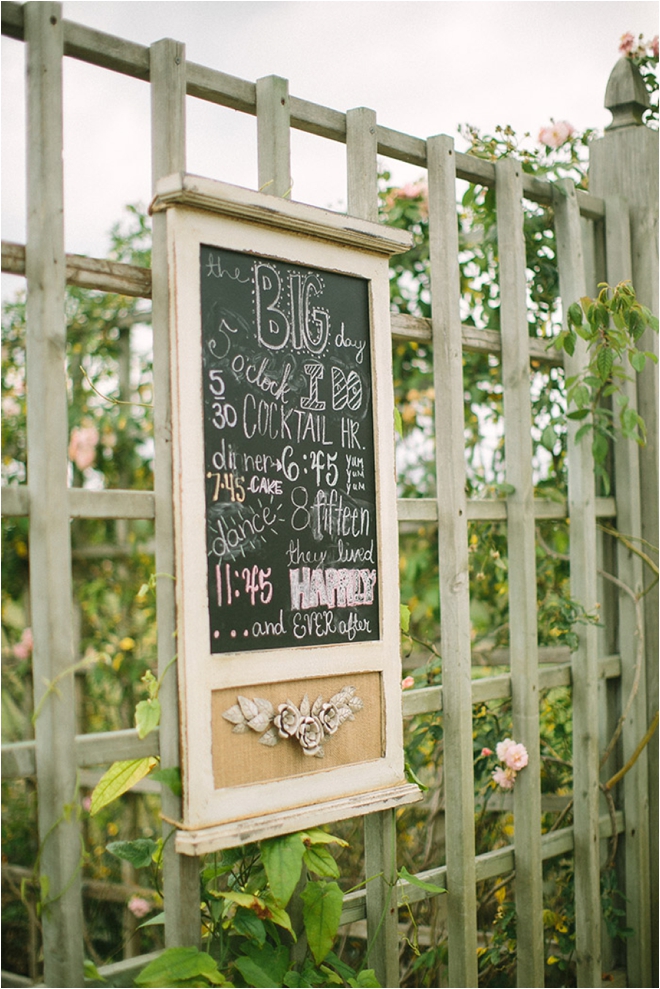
point(289, 454)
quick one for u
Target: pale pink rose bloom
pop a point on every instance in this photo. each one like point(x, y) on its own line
point(654, 46)
point(556, 134)
point(504, 778)
point(407, 683)
point(486, 751)
point(23, 649)
point(626, 43)
point(87, 804)
point(516, 756)
point(503, 747)
point(139, 907)
point(82, 446)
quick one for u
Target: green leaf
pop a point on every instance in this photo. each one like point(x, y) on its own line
point(604, 362)
point(574, 314)
point(92, 973)
point(170, 777)
point(147, 716)
point(404, 617)
point(178, 964)
point(118, 779)
point(322, 862)
point(578, 414)
point(322, 903)
point(314, 836)
point(569, 343)
point(366, 979)
point(420, 883)
point(599, 448)
point(412, 776)
point(255, 975)
point(398, 422)
point(549, 438)
point(157, 921)
point(280, 917)
point(246, 923)
point(282, 859)
point(638, 360)
point(268, 960)
point(139, 852)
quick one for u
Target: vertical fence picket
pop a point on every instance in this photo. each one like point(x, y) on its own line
point(50, 546)
point(453, 562)
point(631, 640)
point(581, 499)
point(274, 136)
point(168, 92)
point(521, 569)
point(380, 828)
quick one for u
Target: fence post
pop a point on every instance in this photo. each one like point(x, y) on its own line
point(454, 567)
point(60, 854)
point(582, 510)
point(625, 163)
point(380, 828)
point(521, 543)
point(167, 70)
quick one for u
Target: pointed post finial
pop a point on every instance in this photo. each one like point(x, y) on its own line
point(626, 96)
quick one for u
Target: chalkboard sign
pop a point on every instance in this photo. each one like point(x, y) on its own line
point(291, 528)
point(284, 511)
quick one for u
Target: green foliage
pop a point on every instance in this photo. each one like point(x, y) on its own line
point(612, 326)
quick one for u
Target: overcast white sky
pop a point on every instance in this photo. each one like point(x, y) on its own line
point(424, 67)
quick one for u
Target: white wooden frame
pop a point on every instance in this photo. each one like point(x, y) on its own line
point(202, 211)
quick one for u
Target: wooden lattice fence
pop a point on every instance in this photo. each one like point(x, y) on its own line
point(609, 233)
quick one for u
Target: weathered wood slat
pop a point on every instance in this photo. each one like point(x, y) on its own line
point(98, 749)
point(630, 571)
point(168, 142)
point(92, 273)
point(428, 700)
point(454, 568)
point(117, 504)
point(582, 510)
point(407, 327)
point(380, 860)
point(521, 549)
point(492, 510)
point(50, 548)
point(273, 136)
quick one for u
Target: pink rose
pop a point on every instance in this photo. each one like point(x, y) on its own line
point(626, 43)
point(23, 649)
point(486, 752)
point(504, 777)
point(654, 46)
point(82, 446)
point(516, 756)
point(407, 683)
point(556, 134)
point(139, 907)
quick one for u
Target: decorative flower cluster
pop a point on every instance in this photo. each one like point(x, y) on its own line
point(514, 756)
point(307, 724)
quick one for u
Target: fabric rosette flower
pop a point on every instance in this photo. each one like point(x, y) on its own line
point(287, 720)
point(329, 718)
point(310, 735)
